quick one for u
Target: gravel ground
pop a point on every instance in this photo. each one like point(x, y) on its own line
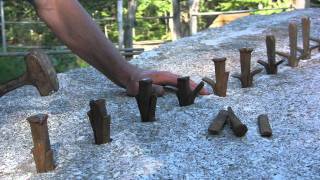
point(177, 145)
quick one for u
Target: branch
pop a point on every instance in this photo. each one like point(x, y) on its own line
point(265, 64)
point(300, 49)
point(237, 75)
point(283, 54)
point(315, 39)
point(257, 71)
point(196, 91)
point(280, 62)
point(209, 81)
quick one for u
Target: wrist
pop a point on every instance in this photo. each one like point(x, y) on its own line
point(133, 76)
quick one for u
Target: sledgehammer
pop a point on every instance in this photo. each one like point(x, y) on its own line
point(40, 73)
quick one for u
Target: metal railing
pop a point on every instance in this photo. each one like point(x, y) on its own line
point(237, 11)
point(196, 14)
point(3, 27)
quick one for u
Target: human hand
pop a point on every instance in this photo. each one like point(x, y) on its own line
point(160, 79)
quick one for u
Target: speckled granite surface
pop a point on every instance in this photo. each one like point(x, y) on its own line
point(177, 145)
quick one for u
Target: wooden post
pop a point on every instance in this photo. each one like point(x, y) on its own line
point(293, 33)
point(130, 24)
point(239, 129)
point(245, 62)
point(301, 4)
point(306, 54)
point(146, 100)
point(218, 122)
point(220, 86)
point(106, 31)
point(42, 153)
point(185, 95)
point(120, 22)
point(293, 61)
point(193, 23)
point(167, 22)
point(246, 76)
point(305, 50)
point(272, 66)
point(176, 32)
point(100, 121)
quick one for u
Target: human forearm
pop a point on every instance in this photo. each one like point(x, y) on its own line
point(74, 27)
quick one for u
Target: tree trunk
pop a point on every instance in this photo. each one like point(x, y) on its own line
point(176, 31)
point(193, 22)
point(120, 22)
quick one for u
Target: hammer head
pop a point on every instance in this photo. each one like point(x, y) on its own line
point(41, 72)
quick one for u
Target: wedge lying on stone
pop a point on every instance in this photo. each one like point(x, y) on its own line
point(264, 126)
point(239, 129)
point(218, 122)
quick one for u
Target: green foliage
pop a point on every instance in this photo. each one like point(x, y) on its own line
point(10, 68)
point(153, 8)
point(151, 29)
point(226, 5)
point(67, 62)
point(315, 3)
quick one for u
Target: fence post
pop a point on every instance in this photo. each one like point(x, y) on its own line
point(3, 27)
point(193, 22)
point(130, 24)
point(120, 22)
point(301, 4)
point(106, 31)
point(176, 32)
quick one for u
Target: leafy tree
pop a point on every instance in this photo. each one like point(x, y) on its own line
point(152, 29)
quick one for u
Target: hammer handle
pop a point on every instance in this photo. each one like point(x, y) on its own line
point(13, 84)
